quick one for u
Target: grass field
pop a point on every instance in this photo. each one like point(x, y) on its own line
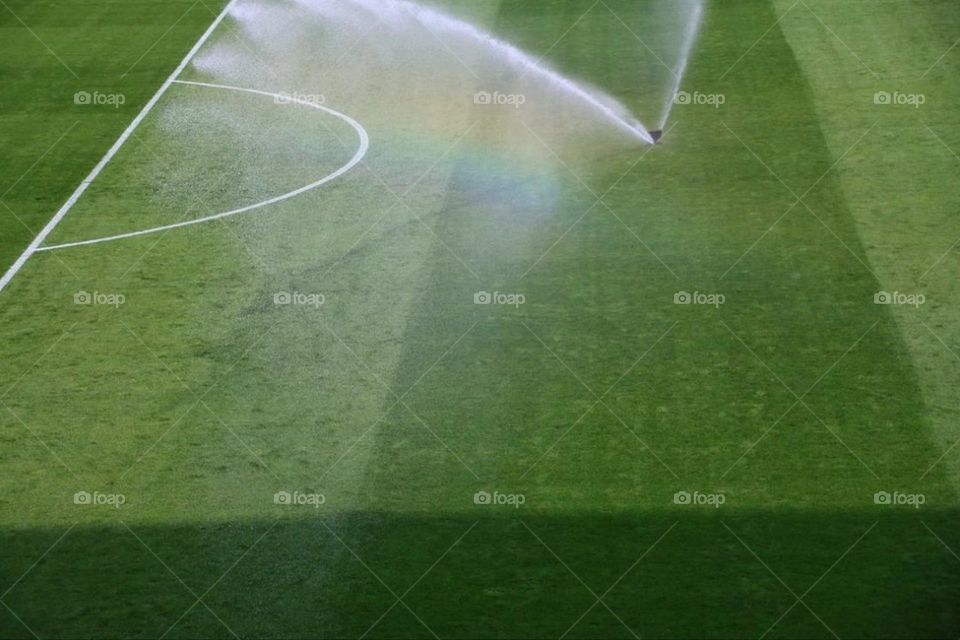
point(592, 404)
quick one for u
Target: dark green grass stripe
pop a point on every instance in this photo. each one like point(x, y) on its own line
point(699, 576)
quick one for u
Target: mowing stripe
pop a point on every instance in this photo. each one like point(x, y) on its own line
point(357, 157)
point(51, 225)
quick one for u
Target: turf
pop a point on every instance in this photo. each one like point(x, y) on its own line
point(399, 398)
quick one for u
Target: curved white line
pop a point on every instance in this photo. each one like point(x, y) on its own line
point(357, 157)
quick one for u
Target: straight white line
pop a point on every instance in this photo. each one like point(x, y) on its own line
point(52, 224)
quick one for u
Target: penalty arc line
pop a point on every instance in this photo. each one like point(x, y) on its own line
point(72, 200)
point(354, 161)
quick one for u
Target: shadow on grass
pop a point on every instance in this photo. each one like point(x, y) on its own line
point(498, 572)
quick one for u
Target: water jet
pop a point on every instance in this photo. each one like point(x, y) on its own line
point(686, 49)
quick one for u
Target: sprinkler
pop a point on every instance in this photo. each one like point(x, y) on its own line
point(656, 135)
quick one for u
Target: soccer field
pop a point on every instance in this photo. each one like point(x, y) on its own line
point(367, 318)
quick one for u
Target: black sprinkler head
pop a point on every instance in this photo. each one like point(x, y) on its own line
point(656, 135)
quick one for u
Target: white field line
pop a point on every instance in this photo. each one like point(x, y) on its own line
point(51, 225)
point(356, 159)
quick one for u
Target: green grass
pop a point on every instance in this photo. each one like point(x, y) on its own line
point(598, 399)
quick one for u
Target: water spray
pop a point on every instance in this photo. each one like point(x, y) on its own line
point(689, 39)
point(436, 21)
